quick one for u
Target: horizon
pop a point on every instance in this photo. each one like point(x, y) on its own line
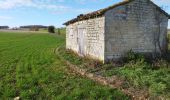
point(16, 13)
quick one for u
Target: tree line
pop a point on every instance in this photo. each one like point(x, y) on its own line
point(33, 26)
point(4, 27)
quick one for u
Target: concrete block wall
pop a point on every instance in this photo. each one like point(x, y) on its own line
point(93, 37)
point(132, 27)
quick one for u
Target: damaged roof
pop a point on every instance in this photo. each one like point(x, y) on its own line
point(102, 11)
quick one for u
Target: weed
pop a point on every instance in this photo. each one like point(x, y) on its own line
point(137, 72)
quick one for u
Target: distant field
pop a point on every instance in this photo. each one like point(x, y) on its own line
point(42, 30)
point(30, 69)
point(23, 31)
point(61, 30)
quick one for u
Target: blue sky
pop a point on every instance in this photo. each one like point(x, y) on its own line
point(53, 12)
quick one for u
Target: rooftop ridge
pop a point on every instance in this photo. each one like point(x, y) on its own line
point(100, 12)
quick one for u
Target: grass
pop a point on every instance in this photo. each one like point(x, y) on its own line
point(30, 69)
point(137, 72)
point(71, 56)
point(144, 76)
point(140, 74)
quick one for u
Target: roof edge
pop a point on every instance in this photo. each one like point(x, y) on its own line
point(97, 13)
point(102, 11)
point(159, 8)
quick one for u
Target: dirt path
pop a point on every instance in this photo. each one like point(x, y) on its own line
point(113, 82)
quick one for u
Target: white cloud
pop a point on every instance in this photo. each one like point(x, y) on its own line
point(52, 5)
point(58, 6)
point(7, 4)
point(40, 4)
point(5, 18)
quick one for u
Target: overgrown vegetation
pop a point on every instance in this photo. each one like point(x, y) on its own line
point(137, 72)
point(155, 77)
point(30, 69)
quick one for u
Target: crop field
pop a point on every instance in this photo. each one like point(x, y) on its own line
point(30, 69)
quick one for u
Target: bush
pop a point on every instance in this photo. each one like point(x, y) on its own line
point(51, 29)
point(34, 28)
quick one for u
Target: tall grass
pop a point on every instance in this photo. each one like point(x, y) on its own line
point(141, 74)
point(136, 71)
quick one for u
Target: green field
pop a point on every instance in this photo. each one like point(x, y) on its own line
point(30, 69)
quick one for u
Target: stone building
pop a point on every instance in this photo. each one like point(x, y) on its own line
point(109, 33)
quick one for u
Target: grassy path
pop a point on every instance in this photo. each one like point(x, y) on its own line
point(30, 69)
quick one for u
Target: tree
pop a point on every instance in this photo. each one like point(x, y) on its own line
point(4, 27)
point(51, 29)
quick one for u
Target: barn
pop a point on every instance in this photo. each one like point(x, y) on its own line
point(109, 33)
